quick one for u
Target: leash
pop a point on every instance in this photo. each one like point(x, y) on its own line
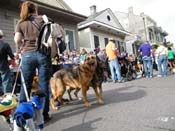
point(16, 78)
point(24, 85)
point(18, 70)
point(22, 82)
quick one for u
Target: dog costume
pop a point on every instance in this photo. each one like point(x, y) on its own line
point(28, 112)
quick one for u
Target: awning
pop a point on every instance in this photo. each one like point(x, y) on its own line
point(102, 26)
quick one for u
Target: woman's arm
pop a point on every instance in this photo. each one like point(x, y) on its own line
point(18, 38)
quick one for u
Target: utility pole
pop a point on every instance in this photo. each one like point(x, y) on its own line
point(145, 28)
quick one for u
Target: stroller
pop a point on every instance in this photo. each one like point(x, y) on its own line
point(127, 68)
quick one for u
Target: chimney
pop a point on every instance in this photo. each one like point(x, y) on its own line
point(130, 10)
point(92, 9)
point(142, 14)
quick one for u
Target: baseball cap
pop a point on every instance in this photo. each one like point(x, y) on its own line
point(1, 33)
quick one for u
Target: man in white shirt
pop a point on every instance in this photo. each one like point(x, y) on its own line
point(162, 53)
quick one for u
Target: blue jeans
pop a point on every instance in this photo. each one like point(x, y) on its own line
point(162, 61)
point(115, 69)
point(147, 64)
point(30, 62)
point(67, 66)
point(6, 80)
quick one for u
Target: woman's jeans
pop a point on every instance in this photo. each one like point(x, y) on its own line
point(115, 69)
point(162, 65)
point(6, 80)
point(147, 64)
point(30, 62)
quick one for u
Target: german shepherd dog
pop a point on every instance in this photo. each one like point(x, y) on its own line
point(98, 78)
point(76, 77)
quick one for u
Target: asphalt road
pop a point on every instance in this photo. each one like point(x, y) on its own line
point(138, 105)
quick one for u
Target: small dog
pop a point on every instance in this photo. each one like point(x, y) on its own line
point(139, 69)
point(28, 112)
point(77, 77)
point(173, 70)
point(35, 83)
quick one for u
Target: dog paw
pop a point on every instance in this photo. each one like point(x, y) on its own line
point(79, 98)
point(101, 102)
point(55, 108)
point(87, 104)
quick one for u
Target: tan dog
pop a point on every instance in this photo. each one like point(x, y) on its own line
point(173, 70)
point(35, 84)
point(76, 77)
point(96, 83)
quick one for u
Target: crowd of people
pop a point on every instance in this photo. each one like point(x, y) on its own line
point(148, 59)
point(31, 59)
point(162, 57)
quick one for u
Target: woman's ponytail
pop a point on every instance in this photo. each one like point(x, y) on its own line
point(27, 8)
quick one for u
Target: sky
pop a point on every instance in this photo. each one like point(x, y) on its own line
point(161, 11)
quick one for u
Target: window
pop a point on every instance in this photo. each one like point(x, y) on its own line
point(70, 40)
point(108, 17)
point(106, 41)
point(96, 41)
point(120, 46)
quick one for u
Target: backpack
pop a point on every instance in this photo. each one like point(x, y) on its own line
point(51, 39)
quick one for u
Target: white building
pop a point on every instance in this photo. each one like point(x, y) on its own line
point(143, 28)
point(98, 28)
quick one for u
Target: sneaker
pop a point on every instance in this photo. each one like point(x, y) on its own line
point(151, 76)
point(114, 81)
point(121, 81)
point(159, 76)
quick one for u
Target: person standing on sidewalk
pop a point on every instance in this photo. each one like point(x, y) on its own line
point(171, 56)
point(146, 50)
point(26, 35)
point(162, 59)
point(114, 66)
point(5, 52)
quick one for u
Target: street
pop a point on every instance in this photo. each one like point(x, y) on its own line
point(138, 105)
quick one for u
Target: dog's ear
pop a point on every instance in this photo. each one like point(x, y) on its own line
point(98, 59)
point(39, 93)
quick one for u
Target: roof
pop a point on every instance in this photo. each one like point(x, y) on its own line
point(46, 8)
point(67, 12)
point(56, 3)
point(92, 17)
point(94, 20)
